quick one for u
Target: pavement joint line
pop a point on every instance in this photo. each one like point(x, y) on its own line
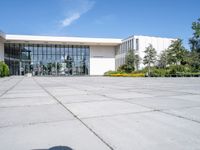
point(122, 100)
point(35, 105)
point(167, 95)
point(161, 111)
point(150, 96)
point(128, 101)
point(170, 114)
point(121, 114)
point(93, 101)
point(183, 108)
point(169, 98)
point(23, 97)
point(152, 89)
point(183, 93)
point(179, 116)
point(34, 123)
point(7, 98)
point(10, 88)
point(75, 116)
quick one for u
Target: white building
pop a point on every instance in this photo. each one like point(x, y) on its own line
point(49, 55)
point(139, 44)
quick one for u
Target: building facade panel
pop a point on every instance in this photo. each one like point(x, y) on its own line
point(102, 59)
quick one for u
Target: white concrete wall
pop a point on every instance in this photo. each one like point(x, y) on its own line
point(102, 59)
point(1, 51)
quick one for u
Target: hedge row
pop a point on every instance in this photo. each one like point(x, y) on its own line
point(128, 75)
point(177, 75)
point(4, 70)
point(156, 73)
point(122, 74)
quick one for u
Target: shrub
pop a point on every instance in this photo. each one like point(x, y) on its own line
point(128, 75)
point(4, 70)
point(123, 74)
point(125, 68)
point(110, 72)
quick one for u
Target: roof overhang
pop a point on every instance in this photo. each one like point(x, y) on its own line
point(62, 40)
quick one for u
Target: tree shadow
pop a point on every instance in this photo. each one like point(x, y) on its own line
point(60, 148)
point(57, 148)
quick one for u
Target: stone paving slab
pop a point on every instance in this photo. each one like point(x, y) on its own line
point(27, 94)
point(81, 98)
point(26, 101)
point(104, 108)
point(189, 97)
point(126, 95)
point(192, 113)
point(145, 131)
point(160, 103)
point(44, 136)
point(63, 92)
point(32, 115)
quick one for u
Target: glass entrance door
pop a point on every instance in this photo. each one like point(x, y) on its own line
point(25, 67)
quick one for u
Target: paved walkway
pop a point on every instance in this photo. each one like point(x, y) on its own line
point(99, 113)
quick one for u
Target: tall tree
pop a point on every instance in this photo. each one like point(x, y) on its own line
point(137, 61)
point(150, 57)
point(193, 60)
point(195, 40)
point(162, 61)
point(130, 61)
point(176, 52)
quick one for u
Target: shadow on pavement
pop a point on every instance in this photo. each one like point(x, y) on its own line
point(57, 148)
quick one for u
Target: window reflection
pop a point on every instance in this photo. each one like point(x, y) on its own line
point(42, 59)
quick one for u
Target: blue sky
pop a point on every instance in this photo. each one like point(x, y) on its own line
point(100, 18)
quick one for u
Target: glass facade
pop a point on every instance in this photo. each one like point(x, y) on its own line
point(47, 59)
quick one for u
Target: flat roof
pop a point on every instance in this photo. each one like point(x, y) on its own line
point(62, 40)
point(146, 36)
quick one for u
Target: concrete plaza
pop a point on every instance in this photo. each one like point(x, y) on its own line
point(99, 113)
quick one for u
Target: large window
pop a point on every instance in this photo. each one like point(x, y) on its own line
point(47, 59)
point(137, 44)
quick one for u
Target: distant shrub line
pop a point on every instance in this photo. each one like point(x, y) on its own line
point(171, 71)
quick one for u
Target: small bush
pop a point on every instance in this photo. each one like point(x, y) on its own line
point(4, 70)
point(125, 68)
point(110, 72)
point(123, 74)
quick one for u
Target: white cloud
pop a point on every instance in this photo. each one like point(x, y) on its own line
point(83, 7)
point(67, 21)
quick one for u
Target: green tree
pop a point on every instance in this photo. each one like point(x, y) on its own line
point(195, 40)
point(193, 60)
point(130, 61)
point(176, 53)
point(137, 61)
point(150, 57)
point(162, 61)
